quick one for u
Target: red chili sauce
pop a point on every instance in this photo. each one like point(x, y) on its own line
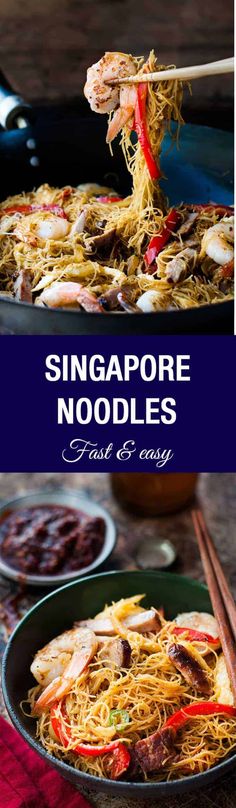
point(48, 539)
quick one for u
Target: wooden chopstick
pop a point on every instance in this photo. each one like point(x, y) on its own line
point(218, 604)
point(225, 590)
point(183, 73)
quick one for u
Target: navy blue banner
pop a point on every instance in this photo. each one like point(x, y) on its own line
point(113, 404)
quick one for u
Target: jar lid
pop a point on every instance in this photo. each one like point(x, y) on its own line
point(155, 554)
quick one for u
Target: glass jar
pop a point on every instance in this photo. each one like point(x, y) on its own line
point(153, 494)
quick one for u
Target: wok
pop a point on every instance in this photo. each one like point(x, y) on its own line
point(66, 145)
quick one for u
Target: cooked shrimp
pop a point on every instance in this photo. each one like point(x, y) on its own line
point(50, 227)
point(149, 301)
point(54, 228)
point(64, 293)
point(124, 112)
point(68, 293)
point(217, 242)
point(105, 98)
point(58, 664)
point(199, 621)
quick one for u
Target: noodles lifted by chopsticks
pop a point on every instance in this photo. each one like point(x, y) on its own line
point(142, 212)
point(90, 249)
point(135, 698)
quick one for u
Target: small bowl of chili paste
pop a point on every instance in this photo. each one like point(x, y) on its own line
point(50, 537)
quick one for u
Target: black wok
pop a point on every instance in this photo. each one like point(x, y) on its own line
point(66, 145)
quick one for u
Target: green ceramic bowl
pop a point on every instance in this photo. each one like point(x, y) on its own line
point(80, 599)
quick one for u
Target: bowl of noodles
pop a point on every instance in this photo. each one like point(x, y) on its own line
point(124, 692)
point(74, 258)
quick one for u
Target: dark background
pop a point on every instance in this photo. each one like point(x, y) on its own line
point(47, 45)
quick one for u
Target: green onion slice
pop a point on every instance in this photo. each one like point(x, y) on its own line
point(119, 719)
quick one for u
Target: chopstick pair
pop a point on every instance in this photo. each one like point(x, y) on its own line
point(182, 73)
point(223, 604)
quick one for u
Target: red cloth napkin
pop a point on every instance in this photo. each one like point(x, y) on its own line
point(26, 781)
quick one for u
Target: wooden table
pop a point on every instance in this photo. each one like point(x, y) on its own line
point(217, 495)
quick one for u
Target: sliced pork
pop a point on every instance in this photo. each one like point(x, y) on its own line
point(156, 751)
point(102, 242)
point(115, 651)
point(22, 286)
point(142, 622)
point(181, 265)
point(188, 665)
point(187, 225)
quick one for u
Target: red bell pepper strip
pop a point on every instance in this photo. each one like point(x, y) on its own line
point(16, 209)
point(119, 763)
point(109, 198)
point(64, 735)
point(178, 719)
point(61, 732)
point(159, 241)
point(26, 209)
point(198, 636)
point(56, 209)
point(140, 126)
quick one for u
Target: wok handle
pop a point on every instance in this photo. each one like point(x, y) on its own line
point(14, 111)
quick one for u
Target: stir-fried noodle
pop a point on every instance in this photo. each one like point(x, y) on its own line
point(143, 695)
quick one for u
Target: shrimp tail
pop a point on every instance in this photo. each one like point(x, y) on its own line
point(76, 666)
point(119, 119)
point(61, 685)
point(48, 696)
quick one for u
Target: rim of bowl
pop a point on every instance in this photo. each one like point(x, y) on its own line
point(82, 500)
point(192, 782)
